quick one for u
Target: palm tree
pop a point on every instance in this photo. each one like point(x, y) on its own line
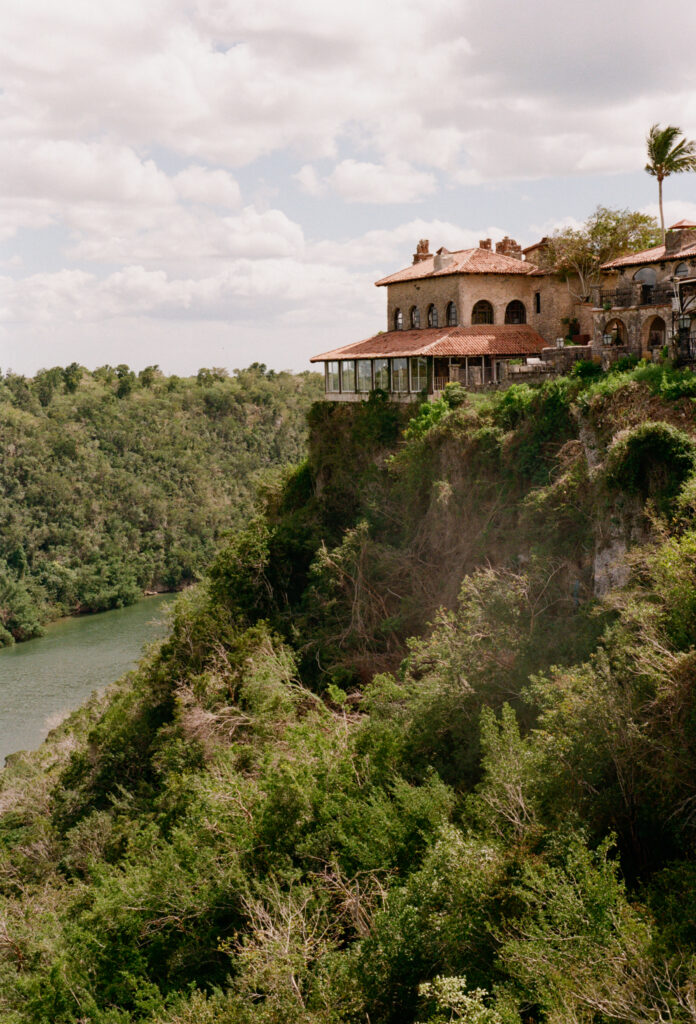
point(668, 153)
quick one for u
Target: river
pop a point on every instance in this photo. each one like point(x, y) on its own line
point(43, 679)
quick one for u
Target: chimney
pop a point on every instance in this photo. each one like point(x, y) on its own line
point(422, 251)
point(509, 247)
point(678, 238)
point(485, 243)
point(442, 259)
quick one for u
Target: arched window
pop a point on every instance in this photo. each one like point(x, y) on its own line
point(614, 333)
point(432, 316)
point(398, 320)
point(415, 317)
point(451, 314)
point(482, 313)
point(515, 313)
point(681, 270)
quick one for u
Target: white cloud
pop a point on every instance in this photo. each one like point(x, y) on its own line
point(201, 185)
point(151, 151)
point(394, 182)
point(309, 181)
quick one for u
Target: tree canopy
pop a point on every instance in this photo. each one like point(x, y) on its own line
point(668, 153)
point(578, 253)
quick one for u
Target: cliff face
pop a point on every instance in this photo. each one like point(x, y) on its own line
point(397, 760)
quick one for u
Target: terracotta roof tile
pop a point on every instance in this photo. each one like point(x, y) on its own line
point(682, 224)
point(464, 261)
point(478, 340)
point(657, 254)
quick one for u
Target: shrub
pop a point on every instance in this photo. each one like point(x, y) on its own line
point(652, 460)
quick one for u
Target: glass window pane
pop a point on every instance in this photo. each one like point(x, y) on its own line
point(332, 381)
point(364, 375)
point(399, 374)
point(348, 375)
point(382, 374)
point(419, 373)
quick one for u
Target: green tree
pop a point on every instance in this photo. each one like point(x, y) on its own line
point(578, 253)
point(668, 153)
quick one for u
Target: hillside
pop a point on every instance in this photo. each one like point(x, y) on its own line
point(114, 484)
point(421, 748)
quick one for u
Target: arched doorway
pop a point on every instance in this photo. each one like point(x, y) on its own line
point(654, 335)
point(647, 277)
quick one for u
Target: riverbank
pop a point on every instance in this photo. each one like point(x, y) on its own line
point(44, 679)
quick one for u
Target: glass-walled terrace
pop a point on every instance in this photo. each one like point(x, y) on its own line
point(400, 375)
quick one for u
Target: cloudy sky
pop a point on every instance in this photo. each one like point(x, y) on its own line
point(211, 182)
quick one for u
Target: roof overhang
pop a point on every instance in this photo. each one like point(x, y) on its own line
point(477, 340)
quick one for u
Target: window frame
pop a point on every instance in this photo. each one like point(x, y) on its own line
point(344, 364)
point(380, 370)
point(490, 312)
point(333, 376)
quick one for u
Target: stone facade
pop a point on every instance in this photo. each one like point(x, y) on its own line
point(465, 290)
point(638, 299)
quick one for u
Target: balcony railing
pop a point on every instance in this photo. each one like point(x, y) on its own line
point(656, 295)
point(636, 295)
point(618, 297)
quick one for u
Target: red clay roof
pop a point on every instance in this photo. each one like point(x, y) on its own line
point(682, 224)
point(464, 261)
point(478, 340)
point(654, 255)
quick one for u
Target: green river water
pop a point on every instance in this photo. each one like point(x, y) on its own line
point(43, 679)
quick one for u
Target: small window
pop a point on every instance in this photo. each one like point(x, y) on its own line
point(482, 313)
point(382, 374)
point(451, 314)
point(515, 313)
point(348, 375)
point(432, 316)
point(681, 270)
point(419, 373)
point(537, 302)
point(332, 377)
point(415, 317)
point(364, 375)
point(398, 320)
point(399, 381)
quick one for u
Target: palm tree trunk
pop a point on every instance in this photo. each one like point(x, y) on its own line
point(662, 216)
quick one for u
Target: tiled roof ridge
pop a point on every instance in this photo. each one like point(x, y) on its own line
point(461, 263)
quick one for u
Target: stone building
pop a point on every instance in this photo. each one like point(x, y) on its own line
point(474, 316)
point(646, 301)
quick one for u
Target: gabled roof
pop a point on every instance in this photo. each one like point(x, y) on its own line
point(682, 224)
point(464, 261)
point(478, 340)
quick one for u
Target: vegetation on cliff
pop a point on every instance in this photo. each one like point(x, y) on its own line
point(113, 484)
point(418, 750)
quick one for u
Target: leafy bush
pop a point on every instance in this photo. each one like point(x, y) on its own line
point(652, 460)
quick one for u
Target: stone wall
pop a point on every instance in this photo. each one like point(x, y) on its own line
point(498, 289)
point(638, 322)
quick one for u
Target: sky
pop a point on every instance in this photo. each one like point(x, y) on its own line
point(198, 183)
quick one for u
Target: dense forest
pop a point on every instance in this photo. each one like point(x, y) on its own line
point(420, 748)
point(115, 483)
